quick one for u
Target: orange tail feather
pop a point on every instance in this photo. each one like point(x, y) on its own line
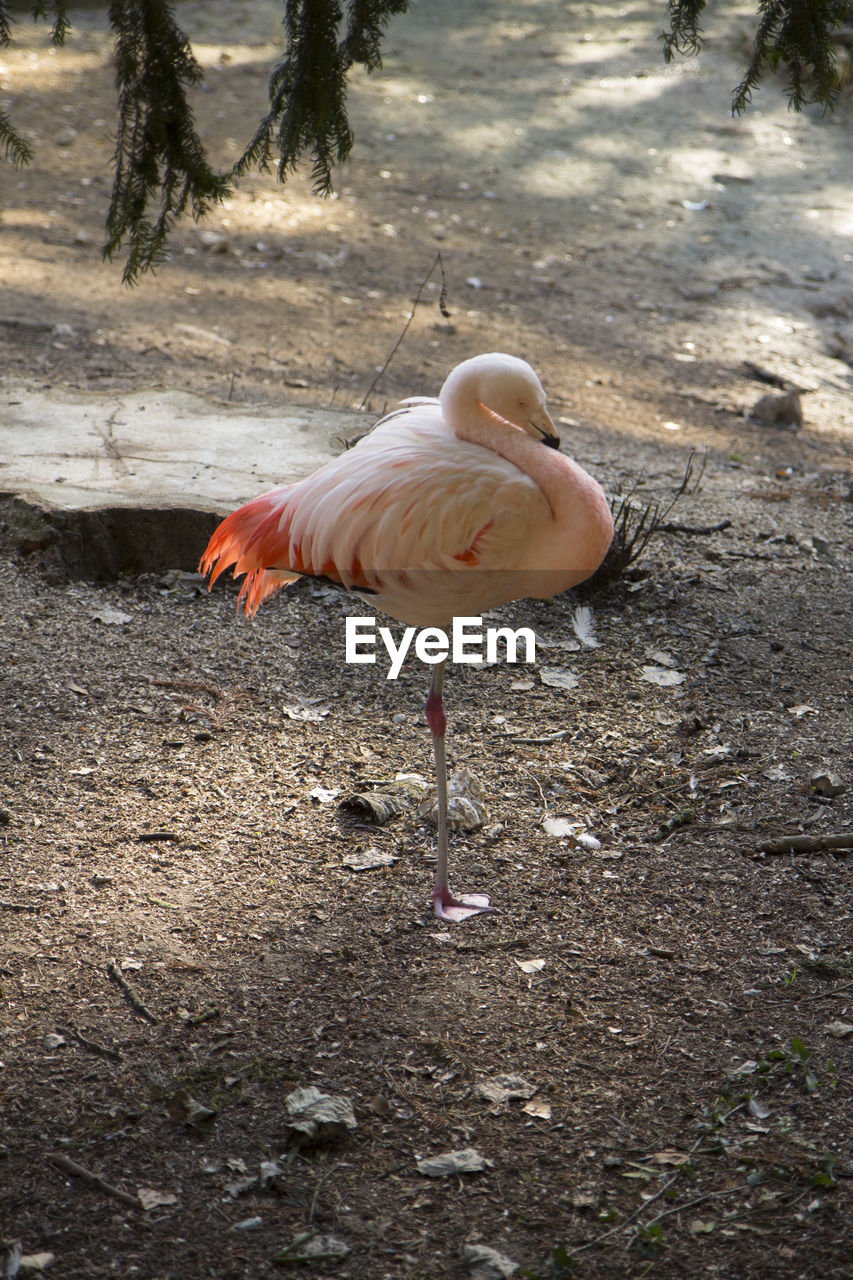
point(255, 539)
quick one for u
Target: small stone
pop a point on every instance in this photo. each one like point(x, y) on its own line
point(826, 783)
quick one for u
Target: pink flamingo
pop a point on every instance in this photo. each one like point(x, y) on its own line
point(448, 508)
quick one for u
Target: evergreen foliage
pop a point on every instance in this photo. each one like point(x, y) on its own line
point(161, 163)
point(159, 156)
point(308, 88)
point(794, 34)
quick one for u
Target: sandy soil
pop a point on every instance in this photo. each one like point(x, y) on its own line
point(165, 797)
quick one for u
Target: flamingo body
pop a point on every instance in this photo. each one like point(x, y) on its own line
point(448, 507)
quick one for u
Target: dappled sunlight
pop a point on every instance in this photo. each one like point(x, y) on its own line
point(591, 206)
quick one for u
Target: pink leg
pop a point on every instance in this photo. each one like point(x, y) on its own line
point(445, 905)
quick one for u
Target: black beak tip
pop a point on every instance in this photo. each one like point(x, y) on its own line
point(553, 442)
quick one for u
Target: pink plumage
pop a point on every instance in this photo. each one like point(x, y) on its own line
point(448, 507)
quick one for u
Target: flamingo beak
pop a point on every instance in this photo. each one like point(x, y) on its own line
point(543, 425)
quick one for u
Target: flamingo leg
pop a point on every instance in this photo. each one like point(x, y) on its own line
point(445, 905)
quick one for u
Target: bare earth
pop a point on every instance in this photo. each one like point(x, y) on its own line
point(679, 1000)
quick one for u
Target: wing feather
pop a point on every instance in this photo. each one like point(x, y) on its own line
point(408, 500)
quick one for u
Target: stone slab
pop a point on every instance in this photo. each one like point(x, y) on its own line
point(102, 484)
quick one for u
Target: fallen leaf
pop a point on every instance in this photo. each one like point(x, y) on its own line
point(309, 1247)
point(663, 676)
point(531, 966)
point(538, 1108)
point(36, 1261)
point(559, 678)
point(661, 658)
point(319, 1117)
point(111, 617)
point(324, 795)
point(151, 1198)
point(777, 773)
point(839, 1029)
point(466, 1161)
point(488, 1264)
point(307, 715)
point(183, 1108)
point(369, 860)
point(504, 1088)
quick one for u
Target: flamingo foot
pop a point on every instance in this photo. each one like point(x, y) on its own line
point(447, 907)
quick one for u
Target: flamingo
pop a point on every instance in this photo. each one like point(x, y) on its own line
point(448, 508)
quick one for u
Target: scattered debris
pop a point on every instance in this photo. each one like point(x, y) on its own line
point(488, 1264)
point(387, 800)
point(94, 1179)
point(499, 1089)
point(311, 1247)
point(468, 1160)
point(826, 783)
point(317, 1117)
point(111, 617)
point(466, 803)
point(369, 860)
point(841, 842)
point(133, 999)
point(151, 1198)
point(184, 1109)
point(664, 677)
point(559, 678)
point(584, 627)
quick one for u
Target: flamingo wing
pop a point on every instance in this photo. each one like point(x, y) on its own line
point(409, 499)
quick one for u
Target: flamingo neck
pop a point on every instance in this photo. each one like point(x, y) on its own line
point(475, 422)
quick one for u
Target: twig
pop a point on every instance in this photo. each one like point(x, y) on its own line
point(324, 1178)
point(638, 1213)
point(709, 1195)
point(674, 527)
point(442, 304)
point(534, 742)
point(133, 998)
point(807, 844)
point(94, 1179)
point(19, 906)
point(101, 1049)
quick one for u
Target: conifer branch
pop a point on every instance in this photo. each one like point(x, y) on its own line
point(796, 34)
point(684, 34)
point(61, 21)
point(159, 155)
point(15, 148)
point(308, 112)
point(162, 169)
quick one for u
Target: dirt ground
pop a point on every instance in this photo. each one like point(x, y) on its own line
point(181, 920)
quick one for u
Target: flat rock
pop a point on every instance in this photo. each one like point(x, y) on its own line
point(136, 482)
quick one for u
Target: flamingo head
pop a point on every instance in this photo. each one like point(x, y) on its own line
point(505, 387)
